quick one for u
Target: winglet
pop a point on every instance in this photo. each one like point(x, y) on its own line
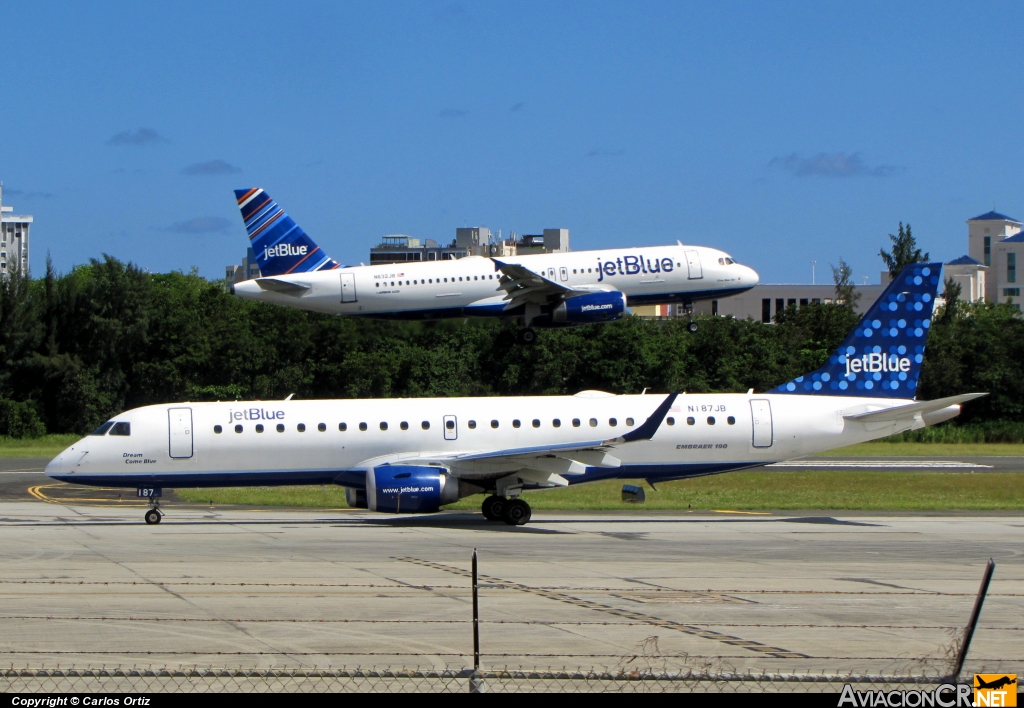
point(651, 425)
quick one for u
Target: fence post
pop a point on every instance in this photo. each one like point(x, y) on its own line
point(965, 644)
point(476, 684)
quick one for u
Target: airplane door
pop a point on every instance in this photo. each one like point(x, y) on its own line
point(761, 413)
point(551, 273)
point(179, 425)
point(693, 265)
point(348, 287)
point(563, 273)
point(451, 428)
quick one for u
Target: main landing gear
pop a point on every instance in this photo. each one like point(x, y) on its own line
point(514, 512)
point(153, 516)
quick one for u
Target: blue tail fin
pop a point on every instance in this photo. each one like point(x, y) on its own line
point(882, 357)
point(281, 246)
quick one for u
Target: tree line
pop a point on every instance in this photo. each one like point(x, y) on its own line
point(77, 348)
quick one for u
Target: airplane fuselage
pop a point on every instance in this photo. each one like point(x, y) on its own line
point(469, 287)
point(338, 441)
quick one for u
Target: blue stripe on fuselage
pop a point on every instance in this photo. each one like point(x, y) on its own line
point(356, 478)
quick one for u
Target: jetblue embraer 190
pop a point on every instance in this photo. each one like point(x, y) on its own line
point(415, 455)
point(541, 290)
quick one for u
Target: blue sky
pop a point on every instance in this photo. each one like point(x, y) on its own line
point(781, 132)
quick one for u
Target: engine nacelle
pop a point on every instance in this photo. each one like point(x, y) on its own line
point(593, 307)
point(409, 488)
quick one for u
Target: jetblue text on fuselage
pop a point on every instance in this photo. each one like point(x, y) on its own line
point(284, 249)
point(254, 414)
point(632, 265)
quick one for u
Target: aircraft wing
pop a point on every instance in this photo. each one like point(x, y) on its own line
point(913, 409)
point(546, 463)
point(522, 285)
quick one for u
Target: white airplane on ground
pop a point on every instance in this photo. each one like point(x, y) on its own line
point(414, 455)
point(542, 290)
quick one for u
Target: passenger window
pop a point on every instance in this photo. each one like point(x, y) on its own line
point(670, 420)
point(217, 429)
point(259, 427)
point(122, 429)
point(342, 427)
point(404, 425)
point(322, 427)
point(515, 423)
point(556, 423)
point(301, 427)
point(362, 426)
point(536, 423)
point(730, 420)
point(450, 424)
point(629, 422)
point(575, 422)
point(102, 430)
point(691, 421)
point(494, 424)
point(280, 427)
point(238, 428)
point(593, 422)
point(711, 420)
point(376, 285)
point(612, 422)
point(425, 425)
point(472, 425)
point(383, 425)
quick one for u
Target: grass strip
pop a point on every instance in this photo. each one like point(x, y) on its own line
point(45, 446)
point(741, 491)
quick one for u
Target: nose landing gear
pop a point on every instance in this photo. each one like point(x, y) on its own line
point(527, 336)
point(153, 516)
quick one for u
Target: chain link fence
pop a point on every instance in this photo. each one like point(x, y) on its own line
point(453, 680)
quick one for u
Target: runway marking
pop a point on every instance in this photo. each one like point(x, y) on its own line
point(929, 464)
point(692, 630)
point(37, 492)
point(749, 513)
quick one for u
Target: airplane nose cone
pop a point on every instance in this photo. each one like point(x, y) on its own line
point(750, 276)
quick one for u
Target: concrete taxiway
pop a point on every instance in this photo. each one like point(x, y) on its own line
point(87, 583)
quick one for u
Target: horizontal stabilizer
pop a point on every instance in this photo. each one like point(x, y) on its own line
point(909, 411)
point(281, 286)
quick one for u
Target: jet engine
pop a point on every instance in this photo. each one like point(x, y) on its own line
point(602, 306)
point(413, 488)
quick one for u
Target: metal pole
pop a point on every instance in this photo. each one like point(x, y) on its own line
point(965, 645)
point(476, 685)
point(476, 619)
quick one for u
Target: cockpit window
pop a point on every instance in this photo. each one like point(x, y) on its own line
point(729, 261)
point(122, 429)
point(102, 430)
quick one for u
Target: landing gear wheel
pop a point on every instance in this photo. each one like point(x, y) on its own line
point(153, 516)
point(527, 336)
point(517, 512)
point(692, 327)
point(493, 507)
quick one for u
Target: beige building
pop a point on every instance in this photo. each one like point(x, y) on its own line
point(990, 238)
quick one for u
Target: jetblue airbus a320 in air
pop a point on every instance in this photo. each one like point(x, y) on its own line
point(541, 290)
point(414, 455)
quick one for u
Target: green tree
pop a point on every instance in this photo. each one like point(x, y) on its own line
point(846, 291)
point(951, 294)
point(904, 252)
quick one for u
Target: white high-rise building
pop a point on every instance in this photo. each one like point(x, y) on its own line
point(13, 239)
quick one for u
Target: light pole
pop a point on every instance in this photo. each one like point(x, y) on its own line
point(812, 272)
